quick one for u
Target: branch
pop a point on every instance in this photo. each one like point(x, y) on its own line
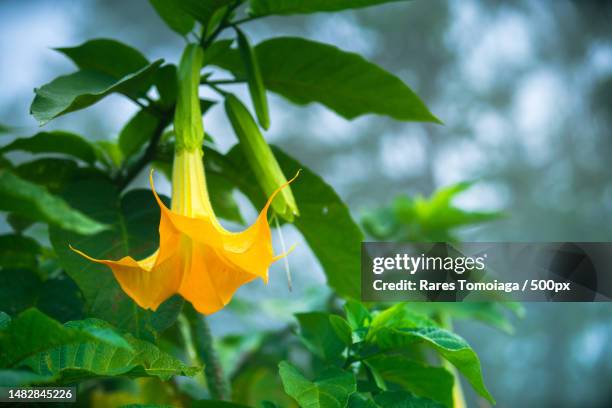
point(149, 153)
point(224, 81)
point(203, 342)
point(246, 20)
point(205, 42)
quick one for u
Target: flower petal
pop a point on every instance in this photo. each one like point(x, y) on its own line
point(147, 283)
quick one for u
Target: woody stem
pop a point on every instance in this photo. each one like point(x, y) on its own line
point(203, 343)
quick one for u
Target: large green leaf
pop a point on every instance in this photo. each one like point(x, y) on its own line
point(138, 131)
point(134, 220)
point(324, 221)
point(285, 7)
point(84, 88)
point(331, 389)
point(305, 71)
point(175, 17)
point(33, 332)
point(19, 289)
point(167, 85)
point(391, 399)
point(491, 313)
point(434, 383)
point(106, 56)
point(222, 199)
point(54, 142)
point(50, 172)
point(21, 377)
point(399, 315)
point(403, 399)
point(89, 359)
point(35, 202)
point(449, 345)
point(215, 404)
point(319, 335)
point(18, 251)
point(60, 298)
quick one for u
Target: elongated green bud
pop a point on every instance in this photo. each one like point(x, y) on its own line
point(188, 115)
point(260, 157)
point(254, 80)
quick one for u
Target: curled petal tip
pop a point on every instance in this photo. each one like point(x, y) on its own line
point(296, 175)
point(84, 255)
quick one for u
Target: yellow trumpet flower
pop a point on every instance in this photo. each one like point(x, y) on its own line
point(197, 258)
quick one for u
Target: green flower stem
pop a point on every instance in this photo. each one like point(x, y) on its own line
point(205, 351)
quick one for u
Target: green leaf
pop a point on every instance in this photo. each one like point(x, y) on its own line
point(133, 221)
point(257, 381)
point(222, 199)
point(399, 315)
point(320, 336)
point(254, 80)
point(110, 153)
point(21, 378)
point(84, 88)
point(216, 49)
point(391, 399)
point(145, 406)
point(215, 404)
point(124, 356)
point(342, 329)
point(424, 219)
point(358, 315)
point(324, 220)
point(167, 86)
point(138, 131)
point(439, 213)
point(5, 129)
point(5, 320)
point(450, 346)
point(51, 173)
point(32, 201)
point(202, 11)
point(261, 8)
point(60, 298)
point(33, 332)
point(434, 383)
point(19, 289)
point(360, 400)
point(330, 390)
point(491, 313)
point(305, 71)
point(54, 142)
point(176, 18)
point(402, 399)
point(18, 223)
point(18, 252)
point(106, 56)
